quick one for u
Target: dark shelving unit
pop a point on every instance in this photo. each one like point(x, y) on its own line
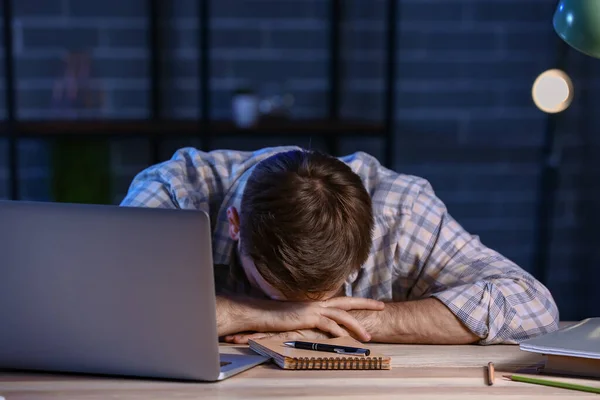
point(155, 44)
point(174, 128)
point(8, 127)
point(156, 127)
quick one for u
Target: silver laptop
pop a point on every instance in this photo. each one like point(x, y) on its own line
point(110, 290)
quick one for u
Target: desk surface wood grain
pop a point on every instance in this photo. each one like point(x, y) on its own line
point(418, 372)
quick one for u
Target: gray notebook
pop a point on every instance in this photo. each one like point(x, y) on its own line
point(578, 340)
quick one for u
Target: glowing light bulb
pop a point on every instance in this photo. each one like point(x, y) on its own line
point(552, 91)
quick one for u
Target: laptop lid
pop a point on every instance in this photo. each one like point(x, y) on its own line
point(107, 290)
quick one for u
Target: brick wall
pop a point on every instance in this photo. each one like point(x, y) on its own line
point(464, 115)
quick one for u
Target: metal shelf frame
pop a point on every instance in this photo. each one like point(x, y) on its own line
point(332, 128)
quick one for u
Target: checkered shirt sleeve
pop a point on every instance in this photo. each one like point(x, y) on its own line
point(191, 180)
point(497, 300)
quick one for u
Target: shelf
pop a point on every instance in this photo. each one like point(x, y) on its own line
point(177, 128)
point(301, 127)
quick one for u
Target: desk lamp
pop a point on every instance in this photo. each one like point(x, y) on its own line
point(577, 23)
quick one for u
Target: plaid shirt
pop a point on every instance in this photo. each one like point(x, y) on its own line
point(418, 250)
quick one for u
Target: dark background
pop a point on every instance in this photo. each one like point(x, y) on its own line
point(463, 114)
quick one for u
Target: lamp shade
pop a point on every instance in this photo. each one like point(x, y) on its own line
point(577, 22)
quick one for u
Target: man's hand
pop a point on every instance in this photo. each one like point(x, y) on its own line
point(329, 316)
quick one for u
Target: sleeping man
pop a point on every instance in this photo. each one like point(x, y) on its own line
point(309, 246)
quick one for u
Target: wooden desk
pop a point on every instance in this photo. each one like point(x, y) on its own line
point(419, 372)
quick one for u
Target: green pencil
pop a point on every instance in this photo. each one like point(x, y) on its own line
point(562, 385)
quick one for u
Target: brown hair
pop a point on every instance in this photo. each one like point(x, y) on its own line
point(306, 221)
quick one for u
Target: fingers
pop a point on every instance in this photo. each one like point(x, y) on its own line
point(354, 303)
point(303, 334)
point(243, 338)
point(339, 317)
point(327, 325)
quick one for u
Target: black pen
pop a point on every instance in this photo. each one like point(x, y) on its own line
point(328, 347)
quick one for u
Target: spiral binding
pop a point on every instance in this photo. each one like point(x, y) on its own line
point(339, 363)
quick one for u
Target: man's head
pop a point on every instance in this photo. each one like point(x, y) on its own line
point(304, 225)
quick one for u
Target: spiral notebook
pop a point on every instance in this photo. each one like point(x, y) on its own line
point(290, 358)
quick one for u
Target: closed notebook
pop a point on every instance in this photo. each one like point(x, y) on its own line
point(574, 350)
point(290, 358)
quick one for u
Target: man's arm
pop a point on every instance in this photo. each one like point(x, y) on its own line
point(426, 321)
point(241, 314)
point(465, 292)
point(230, 316)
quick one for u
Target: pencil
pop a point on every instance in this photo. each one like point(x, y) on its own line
point(562, 385)
point(490, 371)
